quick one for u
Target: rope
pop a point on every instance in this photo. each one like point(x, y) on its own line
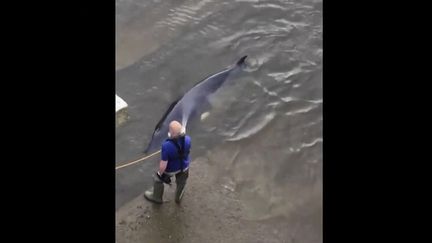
point(138, 160)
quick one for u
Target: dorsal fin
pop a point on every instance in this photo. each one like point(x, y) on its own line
point(241, 61)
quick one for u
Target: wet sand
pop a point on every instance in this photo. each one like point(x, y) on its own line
point(209, 212)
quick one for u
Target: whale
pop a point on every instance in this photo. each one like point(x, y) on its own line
point(194, 102)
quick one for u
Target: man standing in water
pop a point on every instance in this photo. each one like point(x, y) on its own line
point(174, 161)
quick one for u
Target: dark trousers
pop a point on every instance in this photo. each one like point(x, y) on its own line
point(181, 179)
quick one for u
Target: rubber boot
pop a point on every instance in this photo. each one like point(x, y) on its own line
point(181, 179)
point(155, 195)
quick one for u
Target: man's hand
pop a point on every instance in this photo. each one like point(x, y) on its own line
point(164, 178)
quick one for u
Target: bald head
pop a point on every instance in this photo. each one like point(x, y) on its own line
point(175, 128)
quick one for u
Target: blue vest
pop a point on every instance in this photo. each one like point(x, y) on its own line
point(176, 152)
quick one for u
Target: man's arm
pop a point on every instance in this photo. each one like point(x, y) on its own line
point(162, 166)
point(164, 159)
point(163, 177)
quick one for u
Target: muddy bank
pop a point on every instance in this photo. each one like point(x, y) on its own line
point(210, 212)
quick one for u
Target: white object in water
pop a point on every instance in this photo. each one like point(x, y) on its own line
point(121, 111)
point(204, 115)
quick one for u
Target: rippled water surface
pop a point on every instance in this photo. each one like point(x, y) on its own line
point(265, 128)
